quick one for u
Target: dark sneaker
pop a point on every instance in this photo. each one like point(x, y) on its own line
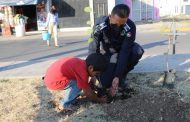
point(126, 93)
point(110, 98)
point(123, 85)
point(125, 90)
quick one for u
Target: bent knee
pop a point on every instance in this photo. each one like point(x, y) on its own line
point(138, 50)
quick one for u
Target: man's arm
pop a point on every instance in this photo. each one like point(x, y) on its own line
point(125, 51)
point(123, 58)
point(94, 45)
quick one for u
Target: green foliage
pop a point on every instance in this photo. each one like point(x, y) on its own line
point(4, 80)
point(89, 31)
point(89, 22)
point(88, 9)
point(90, 40)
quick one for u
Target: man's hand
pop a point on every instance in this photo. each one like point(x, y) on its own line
point(115, 84)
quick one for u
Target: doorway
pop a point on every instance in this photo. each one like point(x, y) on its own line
point(142, 10)
point(100, 8)
point(30, 12)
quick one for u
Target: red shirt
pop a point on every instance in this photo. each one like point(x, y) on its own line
point(63, 70)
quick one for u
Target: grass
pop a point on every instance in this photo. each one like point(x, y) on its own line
point(23, 100)
point(17, 98)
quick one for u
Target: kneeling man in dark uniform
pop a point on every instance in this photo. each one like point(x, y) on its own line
point(114, 36)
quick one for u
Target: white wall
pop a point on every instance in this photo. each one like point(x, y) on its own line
point(118, 2)
point(185, 3)
point(111, 4)
point(170, 7)
point(92, 12)
point(187, 9)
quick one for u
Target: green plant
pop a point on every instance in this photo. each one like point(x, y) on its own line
point(89, 22)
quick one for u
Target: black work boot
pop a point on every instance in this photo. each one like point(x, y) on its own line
point(123, 85)
point(125, 89)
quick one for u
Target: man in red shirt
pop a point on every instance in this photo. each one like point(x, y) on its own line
point(71, 74)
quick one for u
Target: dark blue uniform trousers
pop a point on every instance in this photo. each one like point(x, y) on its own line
point(134, 57)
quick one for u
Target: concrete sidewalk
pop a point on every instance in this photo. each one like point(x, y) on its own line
point(69, 32)
point(36, 68)
point(38, 34)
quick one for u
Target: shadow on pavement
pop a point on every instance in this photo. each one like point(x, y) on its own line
point(40, 59)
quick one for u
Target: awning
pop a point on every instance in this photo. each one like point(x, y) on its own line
point(20, 2)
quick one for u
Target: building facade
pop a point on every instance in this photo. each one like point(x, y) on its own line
point(35, 12)
point(142, 10)
point(185, 7)
point(169, 7)
point(72, 14)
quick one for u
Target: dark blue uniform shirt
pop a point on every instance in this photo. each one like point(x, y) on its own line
point(120, 43)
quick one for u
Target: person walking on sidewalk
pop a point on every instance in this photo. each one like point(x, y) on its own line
point(51, 24)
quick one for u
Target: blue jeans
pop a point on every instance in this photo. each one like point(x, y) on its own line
point(71, 93)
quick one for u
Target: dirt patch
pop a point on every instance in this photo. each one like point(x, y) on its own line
point(29, 100)
point(164, 107)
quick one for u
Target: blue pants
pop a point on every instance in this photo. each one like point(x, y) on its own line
point(71, 93)
point(107, 77)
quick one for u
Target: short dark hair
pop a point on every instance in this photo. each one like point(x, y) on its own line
point(98, 61)
point(122, 10)
point(53, 11)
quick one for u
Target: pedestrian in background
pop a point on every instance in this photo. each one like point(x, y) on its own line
point(51, 24)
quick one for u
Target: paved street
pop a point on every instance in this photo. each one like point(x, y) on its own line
point(155, 43)
point(33, 47)
point(30, 55)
